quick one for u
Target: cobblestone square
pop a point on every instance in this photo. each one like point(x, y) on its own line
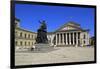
point(59, 55)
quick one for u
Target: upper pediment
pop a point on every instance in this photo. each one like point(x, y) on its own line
point(69, 26)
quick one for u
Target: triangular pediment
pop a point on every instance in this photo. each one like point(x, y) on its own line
point(69, 26)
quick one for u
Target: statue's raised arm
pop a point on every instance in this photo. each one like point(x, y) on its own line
point(43, 24)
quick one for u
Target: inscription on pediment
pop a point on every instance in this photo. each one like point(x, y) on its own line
point(68, 28)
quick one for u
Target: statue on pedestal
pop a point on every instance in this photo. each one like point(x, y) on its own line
point(42, 33)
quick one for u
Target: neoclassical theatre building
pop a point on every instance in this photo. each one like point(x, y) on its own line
point(70, 34)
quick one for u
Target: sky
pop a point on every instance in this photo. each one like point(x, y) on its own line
point(55, 16)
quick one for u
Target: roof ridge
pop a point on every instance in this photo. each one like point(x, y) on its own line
point(73, 22)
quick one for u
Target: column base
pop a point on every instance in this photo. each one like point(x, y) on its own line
point(76, 45)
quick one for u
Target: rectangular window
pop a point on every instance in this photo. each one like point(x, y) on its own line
point(32, 36)
point(84, 41)
point(29, 43)
point(25, 35)
point(21, 34)
point(29, 36)
point(21, 43)
point(84, 36)
point(16, 43)
point(25, 43)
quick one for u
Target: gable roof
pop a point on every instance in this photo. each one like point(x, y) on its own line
point(74, 25)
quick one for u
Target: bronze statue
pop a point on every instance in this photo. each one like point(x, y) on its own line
point(42, 33)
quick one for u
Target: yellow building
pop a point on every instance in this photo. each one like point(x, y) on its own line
point(92, 41)
point(23, 38)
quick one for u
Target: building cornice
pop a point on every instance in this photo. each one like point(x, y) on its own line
point(25, 30)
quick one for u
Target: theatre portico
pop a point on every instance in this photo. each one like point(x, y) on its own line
point(70, 34)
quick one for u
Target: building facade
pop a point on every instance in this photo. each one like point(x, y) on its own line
point(23, 38)
point(92, 41)
point(70, 34)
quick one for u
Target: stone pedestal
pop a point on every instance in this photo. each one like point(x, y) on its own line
point(43, 47)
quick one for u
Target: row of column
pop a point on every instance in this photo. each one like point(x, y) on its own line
point(65, 39)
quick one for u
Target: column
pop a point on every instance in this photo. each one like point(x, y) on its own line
point(56, 39)
point(87, 39)
point(81, 39)
point(59, 39)
point(77, 39)
point(70, 38)
point(66, 39)
point(63, 38)
point(51, 39)
point(73, 39)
